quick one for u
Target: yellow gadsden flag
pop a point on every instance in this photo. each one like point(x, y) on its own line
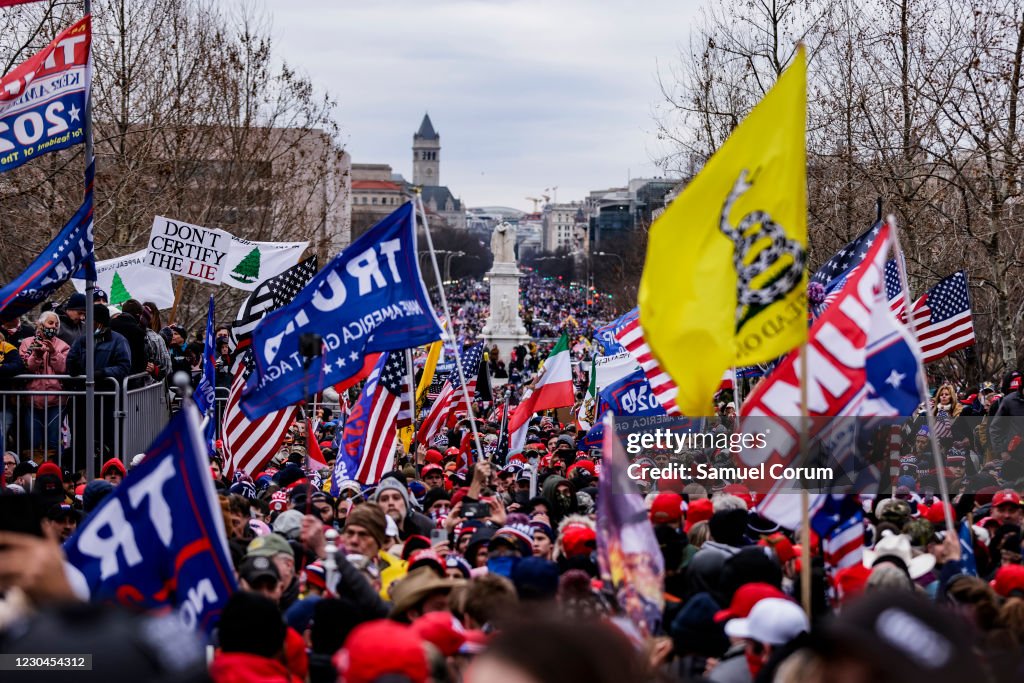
point(724, 282)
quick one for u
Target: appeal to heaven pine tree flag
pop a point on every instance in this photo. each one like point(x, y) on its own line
point(724, 280)
point(250, 263)
point(128, 277)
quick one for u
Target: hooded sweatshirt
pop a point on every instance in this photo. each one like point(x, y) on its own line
point(559, 509)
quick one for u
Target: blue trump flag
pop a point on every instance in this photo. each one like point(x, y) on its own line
point(606, 335)
point(371, 297)
point(158, 540)
point(206, 393)
point(69, 254)
point(631, 395)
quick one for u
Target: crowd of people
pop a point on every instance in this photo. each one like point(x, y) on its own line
point(466, 566)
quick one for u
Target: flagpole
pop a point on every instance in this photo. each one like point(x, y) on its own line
point(448, 315)
point(412, 392)
point(90, 289)
point(922, 379)
point(805, 498)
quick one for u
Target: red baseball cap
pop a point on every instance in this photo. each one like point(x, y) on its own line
point(744, 599)
point(667, 508)
point(50, 468)
point(377, 648)
point(1005, 497)
point(936, 513)
point(741, 492)
point(433, 456)
point(442, 630)
point(431, 467)
point(1008, 578)
point(578, 539)
point(700, 510)
point(851, 581)
point(782, 546)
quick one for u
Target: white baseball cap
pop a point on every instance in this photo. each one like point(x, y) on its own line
point(773, 621)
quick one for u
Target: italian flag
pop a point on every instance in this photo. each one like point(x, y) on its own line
point(553, 389)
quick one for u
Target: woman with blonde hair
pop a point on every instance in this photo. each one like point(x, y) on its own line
point(946, 400)
point(43, 354)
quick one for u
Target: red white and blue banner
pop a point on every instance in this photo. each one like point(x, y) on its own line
point(158, 540)
point(43, 100)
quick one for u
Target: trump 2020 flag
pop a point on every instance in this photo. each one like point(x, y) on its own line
point(70, 253)
point(158, 540)
point(43, 99)
point(627, 550)
point(371, 297)
point(724, 280)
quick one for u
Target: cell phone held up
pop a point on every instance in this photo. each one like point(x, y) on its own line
point(475, 510)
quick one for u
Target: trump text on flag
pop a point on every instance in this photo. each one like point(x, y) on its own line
point(42, 100)
point(189, 250)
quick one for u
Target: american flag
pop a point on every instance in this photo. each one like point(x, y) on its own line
point(839, 522)
point(471, 361)
point(250, 444)
point(832, 275)
point(269, 295)
point(631, 336)
point(387, 390)
point(450, 400)
point(942, 318)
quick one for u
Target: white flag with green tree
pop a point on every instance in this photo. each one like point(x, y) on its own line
point(250, 263)
point(128, 277)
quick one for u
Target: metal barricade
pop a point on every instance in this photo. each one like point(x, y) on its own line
point(50, 425)
point(146, 411)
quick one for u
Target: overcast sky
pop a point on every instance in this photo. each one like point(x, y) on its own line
point(526, 94)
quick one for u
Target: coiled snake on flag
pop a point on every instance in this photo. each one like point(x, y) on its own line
point(748, 299)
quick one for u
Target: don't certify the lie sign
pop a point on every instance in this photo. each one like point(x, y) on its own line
point(188, 250)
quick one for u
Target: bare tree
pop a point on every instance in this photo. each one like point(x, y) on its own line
point(195, 118)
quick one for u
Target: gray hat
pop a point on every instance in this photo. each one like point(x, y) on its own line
point(390, 483)
point(288, 524)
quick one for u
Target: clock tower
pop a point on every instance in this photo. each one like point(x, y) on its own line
point(426, 155)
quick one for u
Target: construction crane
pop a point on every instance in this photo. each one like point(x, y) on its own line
point(536, 201)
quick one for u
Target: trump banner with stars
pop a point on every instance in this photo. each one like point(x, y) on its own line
point(43, 99)
point(158, 540)
point(371, 297)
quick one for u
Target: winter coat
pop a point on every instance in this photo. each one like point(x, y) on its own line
point(11, 364)
point(70, 331)
point(242, 667)
point(113, 357)
point(49, 363)
point(1003, 427)
point(128, 327)
point(156, 353)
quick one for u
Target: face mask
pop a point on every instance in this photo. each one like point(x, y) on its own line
point(564, 501)
point(503, 565)
point(754, 663)
point(49, 332)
